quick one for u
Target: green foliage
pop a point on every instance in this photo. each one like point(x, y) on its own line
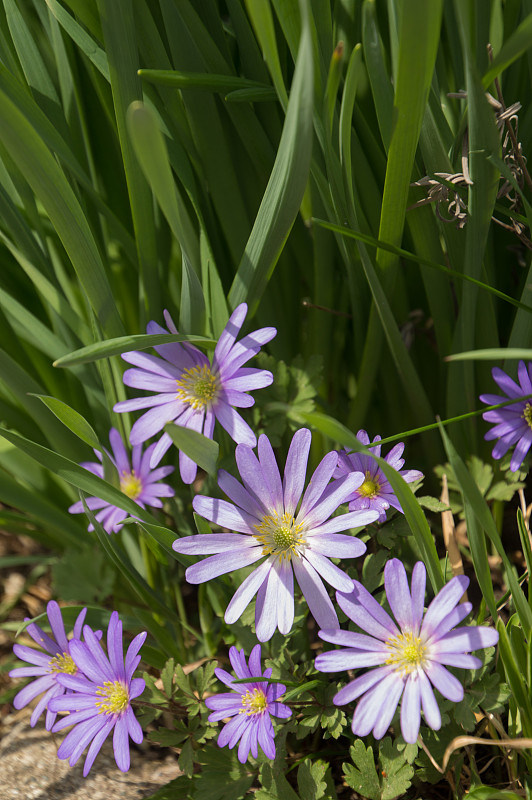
point(83, 576)
point(390, 779)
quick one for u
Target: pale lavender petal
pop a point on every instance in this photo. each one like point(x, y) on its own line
point(229, 333)
point(161, 448)
point(56, 623)
point(336, 545)
point(315, 594)
point(349, 658)
point(154, 420)
point(235, 399)
point(29, 672)
point(240, 495)
point(255, 668)
point(449, 686)
point(411, 710)
point(246, 592)
point(96, 745)
point(465, 639)
point(329, 571)
point(388, 708)
point(232, 730)
point(114, 646)
point(462, 660)
point(285, 597)
point(372, 705)
point(209, 543)
point(138, 403)
point(419, 577)
point(32, 690)
point(119, 451)
point(266, 740)
point(248, 379)
point(31, 656)
point(360, 685)
point(317, 484)
point(296, 469)
point(521, 450)
point(244, 746)
point(354, 519)
point(398, 594)
point(93, 503)
point(41, 705)
point(251, 471)
point(454, 617)
point(361, 607)
point(338, 494)
point(235, 426)
point(270, 470)
point(266, 607)
point(224, 514)
point(431, 712)
point(444, 602)
point(151, 363)
point(138, 379)
point(121, 745)
point(222, 563)
point(351, 639)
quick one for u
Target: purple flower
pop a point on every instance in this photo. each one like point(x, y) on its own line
point(191, 391)
point(409, 656)
point(375, 492)
point(513, 423)
point(46, 667)
point(101, 697)
point(250, 706)
point(268, 523)
point(137, 481)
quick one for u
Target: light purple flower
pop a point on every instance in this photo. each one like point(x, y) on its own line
point(46, 667)
point(375, 491)
point(513, 423)
point(101, 697)
point(266, 522)
point(250, 706)
point(409, 656)
point(137, 481)
point(191, 391)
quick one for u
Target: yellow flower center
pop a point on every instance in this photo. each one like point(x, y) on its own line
point(280, 535)
point(407, 652)
point(116, 698)
point(527, 415)
point(197, 386)
point(131, 484)
point(370, 488)
point(62, 663)
point(253, 702)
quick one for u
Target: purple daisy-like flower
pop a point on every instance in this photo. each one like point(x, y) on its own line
point(250, 706)
point(268, 521)
point(137, 481)
point(46, 667)
point(375, 491)
point(409, 656)
point(191, 391)
point(513, 423)
point(101, 697)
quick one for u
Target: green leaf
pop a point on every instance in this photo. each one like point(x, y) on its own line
point(395, 761)
point(72, 420)
point(124, 344)
point(167, 676)
point(83, 576)
point(492, 354)
point(515, 45)
point(200, 80)
point(203, 451)
point(288, 180)
point(48, 182)
point(311, 781)
point(432, 504)
point(361, 775)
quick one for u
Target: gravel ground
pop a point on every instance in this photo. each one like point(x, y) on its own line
point(30, 769)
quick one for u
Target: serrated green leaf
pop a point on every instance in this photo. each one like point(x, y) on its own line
point(361, 775)
point(432, 503)
point(167, 676)
point(395, 767)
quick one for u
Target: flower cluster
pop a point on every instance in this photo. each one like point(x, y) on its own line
point(289, 531)
point(79, 678)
